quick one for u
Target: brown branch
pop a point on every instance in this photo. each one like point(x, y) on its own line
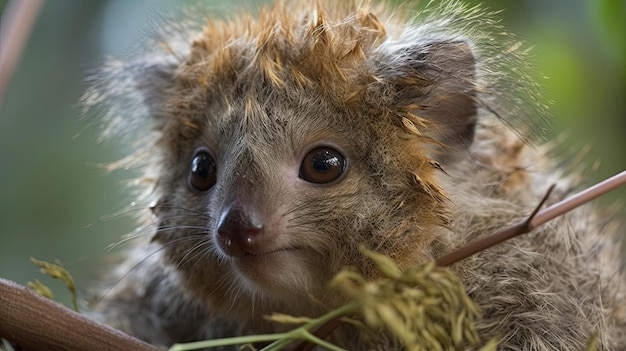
point(536, 219)
point(36, 323)
point(504, 234)
point(581, 198)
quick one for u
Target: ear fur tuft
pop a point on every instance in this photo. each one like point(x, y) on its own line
point(132, 94)
point(438, 79)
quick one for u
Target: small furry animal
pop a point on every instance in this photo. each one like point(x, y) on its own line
point(275, 144)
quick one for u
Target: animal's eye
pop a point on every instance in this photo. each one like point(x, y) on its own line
point(202, 175)
point(322, 165)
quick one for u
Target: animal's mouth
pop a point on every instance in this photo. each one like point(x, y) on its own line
point(276, 272)
point(274, 259)
point(268, 268)
point(271, 252)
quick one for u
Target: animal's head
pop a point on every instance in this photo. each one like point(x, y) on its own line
point(283, 143)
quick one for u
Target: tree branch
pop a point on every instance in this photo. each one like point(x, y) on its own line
point(33, 322)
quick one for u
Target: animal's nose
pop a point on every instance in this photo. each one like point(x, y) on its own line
point(240, 231)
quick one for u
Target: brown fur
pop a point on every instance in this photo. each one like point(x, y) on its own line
point(422, 109)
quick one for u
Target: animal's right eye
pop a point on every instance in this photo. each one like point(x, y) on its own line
point(202, 175)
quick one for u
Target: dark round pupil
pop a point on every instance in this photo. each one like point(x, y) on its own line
point(201, 166)
point(322, 165)
point(324, 161)
point(202, 171)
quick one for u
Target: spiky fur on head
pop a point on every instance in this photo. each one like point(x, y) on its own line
point(403, 99)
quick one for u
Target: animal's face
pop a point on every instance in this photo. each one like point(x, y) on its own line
point(269, 194)
point(282, 152)
point(275, 200)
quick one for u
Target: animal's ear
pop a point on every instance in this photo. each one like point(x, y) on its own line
point(132, 94)
point(436, 81)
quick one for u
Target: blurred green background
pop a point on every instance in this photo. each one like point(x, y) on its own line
point(56, 201)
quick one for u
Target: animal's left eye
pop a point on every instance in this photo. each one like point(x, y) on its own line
point(322, 165)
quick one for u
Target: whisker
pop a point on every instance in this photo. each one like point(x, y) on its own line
point(294, 209)
point(176, 207)
point(180, 226)
point(116, 215)
point(178, 216)
point(125, 239)
point(148, 256)
point(295, 218)
point(145, 230)
point(187, 257)
point(296, 222)
point(207, 250)
point(131, 270)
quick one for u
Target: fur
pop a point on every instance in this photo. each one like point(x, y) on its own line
point(433, 112)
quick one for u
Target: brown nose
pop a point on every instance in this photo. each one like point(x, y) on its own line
point(239, 231)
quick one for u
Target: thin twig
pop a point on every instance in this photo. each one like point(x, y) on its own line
point(504, 234)
point(581, 198)
point(536, 219)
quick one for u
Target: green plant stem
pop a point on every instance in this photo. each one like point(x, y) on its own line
point(239, 340)
point(300, 334)
point(321, 342)
point(280, 340)
point(303, 332)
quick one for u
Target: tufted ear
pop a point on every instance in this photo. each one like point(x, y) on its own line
point(132, 94)
point(436, 81)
